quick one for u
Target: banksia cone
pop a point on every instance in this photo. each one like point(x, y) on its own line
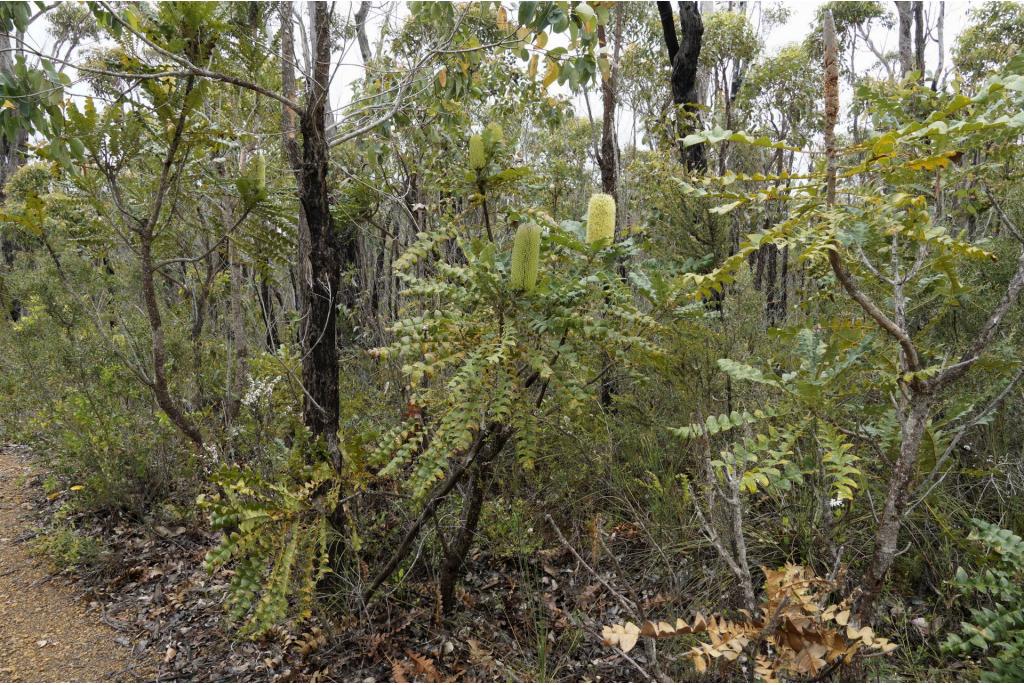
point(258, 172)
point(525, 257)
point(494, 132)
point(601, 219)
point(477, 159)
point(252, 184)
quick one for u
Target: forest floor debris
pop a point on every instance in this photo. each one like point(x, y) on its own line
point(153, 612)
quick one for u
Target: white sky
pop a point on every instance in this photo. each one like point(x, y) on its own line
point(799, 25)
point(794, 30)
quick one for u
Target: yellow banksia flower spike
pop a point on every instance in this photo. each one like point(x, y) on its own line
point(525, 257)
point(477, 158)
point(601, 219)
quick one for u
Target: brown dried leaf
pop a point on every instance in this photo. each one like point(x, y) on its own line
point(423, 665)
point(622, 636)
point(480, 656)
point(809, 661)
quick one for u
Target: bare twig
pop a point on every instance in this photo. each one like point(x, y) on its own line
point(626, 603)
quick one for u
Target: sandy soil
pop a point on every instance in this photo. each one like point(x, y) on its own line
point(47, 632)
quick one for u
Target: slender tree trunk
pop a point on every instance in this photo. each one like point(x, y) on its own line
point(451, 567)
point(319, 267)
point(157, 345)
point(330, 253)
point(146, 232)
point(906, 16)
point(783, 299)
point(293, 158)
point(236, 329)
point(913, 424)
point(941, 43)
point(320, 352)
point(770, 285)
point(608, 159)
point(609, 152)
point(269, 315)
point(919, 38)
point(364, 43)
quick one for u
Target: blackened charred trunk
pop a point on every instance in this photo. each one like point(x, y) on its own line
point(608, 160)
point(320, 353)
point(771, 257)
point(668, 29)
point(783, 299)
point(321, 292)
point(329, 254)
point(683, 53)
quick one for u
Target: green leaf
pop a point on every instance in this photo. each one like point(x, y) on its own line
point(526, 10)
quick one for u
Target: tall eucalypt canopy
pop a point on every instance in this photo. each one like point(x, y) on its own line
point(525, 258)
point(601, 219)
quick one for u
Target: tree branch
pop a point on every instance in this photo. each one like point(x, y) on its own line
point(200, 71)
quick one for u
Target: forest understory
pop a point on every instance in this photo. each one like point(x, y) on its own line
point(526, 341)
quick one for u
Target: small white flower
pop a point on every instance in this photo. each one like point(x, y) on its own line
point(259, 390)
point(834, 503)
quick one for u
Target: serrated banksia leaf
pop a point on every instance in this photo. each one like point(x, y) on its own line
point(525, 257)
point(601, 219)
point(477, 158)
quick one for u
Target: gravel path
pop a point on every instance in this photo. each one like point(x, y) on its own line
point(47, 633)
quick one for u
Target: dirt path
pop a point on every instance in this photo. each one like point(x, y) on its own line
point(46, 632)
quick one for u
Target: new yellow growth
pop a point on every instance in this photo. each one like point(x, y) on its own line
point(601, 219)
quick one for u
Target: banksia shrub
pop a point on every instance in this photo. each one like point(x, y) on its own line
point(525, 257)
point(601, 219)
point(477, 158)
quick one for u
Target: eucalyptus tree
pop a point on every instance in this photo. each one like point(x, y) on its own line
point(989, 40)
